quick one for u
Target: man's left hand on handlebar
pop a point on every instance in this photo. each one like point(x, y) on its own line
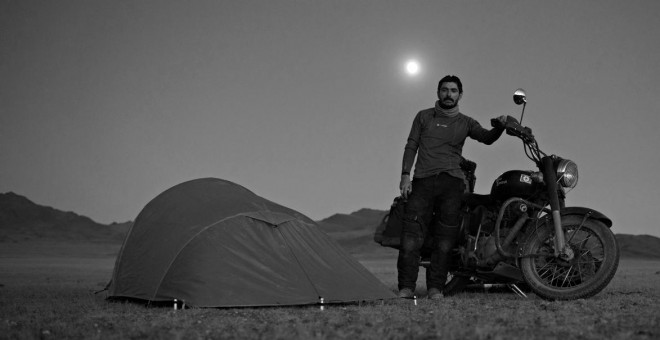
point(499, 122)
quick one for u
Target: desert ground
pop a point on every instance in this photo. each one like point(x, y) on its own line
point(49, 291)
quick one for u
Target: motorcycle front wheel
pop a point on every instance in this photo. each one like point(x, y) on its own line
point(596, 258)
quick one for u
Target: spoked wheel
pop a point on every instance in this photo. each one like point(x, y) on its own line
point(596, 258)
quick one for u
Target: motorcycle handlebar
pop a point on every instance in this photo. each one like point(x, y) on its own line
point(513, 128)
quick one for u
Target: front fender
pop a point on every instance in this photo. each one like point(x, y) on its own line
point(581, 211)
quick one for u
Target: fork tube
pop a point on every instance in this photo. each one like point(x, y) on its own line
point(551, 182)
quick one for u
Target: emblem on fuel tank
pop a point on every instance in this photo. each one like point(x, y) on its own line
point(500, 181)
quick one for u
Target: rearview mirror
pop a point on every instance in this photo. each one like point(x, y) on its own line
point(520, 97)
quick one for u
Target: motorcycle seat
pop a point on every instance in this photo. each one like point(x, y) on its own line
point(474, 200)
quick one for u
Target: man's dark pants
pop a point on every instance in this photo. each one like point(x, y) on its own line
point(432, 209)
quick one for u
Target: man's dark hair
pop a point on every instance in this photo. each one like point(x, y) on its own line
point(451, 79)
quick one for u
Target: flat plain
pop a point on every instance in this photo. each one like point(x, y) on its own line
point(49, 291)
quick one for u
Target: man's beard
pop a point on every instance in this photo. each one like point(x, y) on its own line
point(448, 107)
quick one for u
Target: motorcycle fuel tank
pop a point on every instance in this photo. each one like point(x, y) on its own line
point(514, 183)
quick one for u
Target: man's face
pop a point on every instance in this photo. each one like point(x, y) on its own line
point(449, 95)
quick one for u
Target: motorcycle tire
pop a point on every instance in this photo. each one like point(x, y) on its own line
point(589, 272)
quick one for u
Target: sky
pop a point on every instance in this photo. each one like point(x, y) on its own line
point(106, 104)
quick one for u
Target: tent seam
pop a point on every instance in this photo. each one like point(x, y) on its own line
point(167, 269)
point(243, 214)
point(311, 283)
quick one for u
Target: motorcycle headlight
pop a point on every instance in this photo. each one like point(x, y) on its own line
point(567, 173)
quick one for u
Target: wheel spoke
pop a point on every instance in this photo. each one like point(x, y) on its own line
point(547, 264)
point(594, 247)
point(544, 272)
point(567, 276)
point(588, 262)
point(554, 273)
point(580, 273)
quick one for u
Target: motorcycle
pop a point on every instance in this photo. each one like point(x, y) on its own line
point(521, 234)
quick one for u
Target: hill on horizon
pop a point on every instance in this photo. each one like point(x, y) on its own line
point(23, 221)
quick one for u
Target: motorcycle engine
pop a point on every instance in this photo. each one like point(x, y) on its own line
point(486, 248)
point(481, 247)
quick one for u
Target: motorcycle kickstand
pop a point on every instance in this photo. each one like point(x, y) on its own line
point(516, 290)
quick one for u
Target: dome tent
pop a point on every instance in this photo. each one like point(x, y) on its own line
point(213, 243)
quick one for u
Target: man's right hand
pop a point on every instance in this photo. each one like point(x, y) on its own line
point(405, 186)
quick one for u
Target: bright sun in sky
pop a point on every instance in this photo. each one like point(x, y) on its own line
point(412, 67)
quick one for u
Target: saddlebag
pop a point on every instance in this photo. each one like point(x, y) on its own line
point(388, 232)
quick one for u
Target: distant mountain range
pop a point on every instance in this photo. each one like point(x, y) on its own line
point(23, 221)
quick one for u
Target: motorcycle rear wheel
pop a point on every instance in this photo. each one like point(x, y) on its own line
point(589, 272)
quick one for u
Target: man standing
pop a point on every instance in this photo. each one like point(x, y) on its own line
point(437, 137)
